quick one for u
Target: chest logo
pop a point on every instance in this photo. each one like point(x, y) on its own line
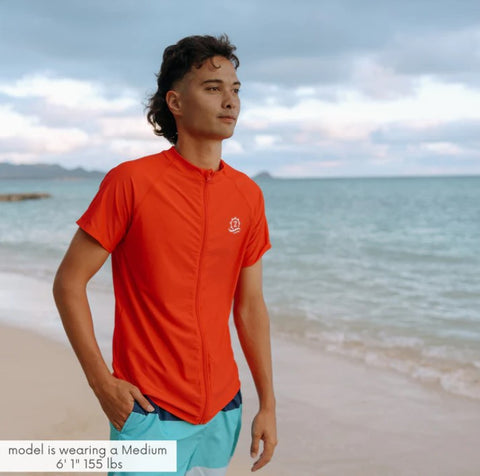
point(234, 225)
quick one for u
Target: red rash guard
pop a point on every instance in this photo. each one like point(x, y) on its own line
point(179, 236)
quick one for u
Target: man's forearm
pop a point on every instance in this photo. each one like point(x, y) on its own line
point(253, 328)
point(74, 310)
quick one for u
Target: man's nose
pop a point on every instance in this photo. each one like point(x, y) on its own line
point(231, 100)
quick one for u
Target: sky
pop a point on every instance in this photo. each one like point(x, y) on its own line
point(330, 88)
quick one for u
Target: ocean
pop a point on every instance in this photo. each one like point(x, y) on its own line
point(383, 270)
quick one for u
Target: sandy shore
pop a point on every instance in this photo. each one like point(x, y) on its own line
point(335, 416)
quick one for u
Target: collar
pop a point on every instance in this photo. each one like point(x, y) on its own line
point(188, 168)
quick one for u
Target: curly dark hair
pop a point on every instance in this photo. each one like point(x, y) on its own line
point(177, 61)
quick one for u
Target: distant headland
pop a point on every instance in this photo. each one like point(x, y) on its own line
point(262, 175)
point(44, 171)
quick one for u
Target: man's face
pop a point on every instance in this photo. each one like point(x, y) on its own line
point(205, 102)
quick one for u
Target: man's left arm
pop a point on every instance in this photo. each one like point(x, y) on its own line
point(253, 328)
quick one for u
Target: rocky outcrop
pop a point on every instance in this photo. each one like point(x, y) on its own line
point(16, 197)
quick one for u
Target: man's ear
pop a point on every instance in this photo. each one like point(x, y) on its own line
point(172, 98)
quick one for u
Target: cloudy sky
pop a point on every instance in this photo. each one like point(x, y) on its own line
point(330, 88)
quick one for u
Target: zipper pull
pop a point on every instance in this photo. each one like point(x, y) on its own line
point(209, 175)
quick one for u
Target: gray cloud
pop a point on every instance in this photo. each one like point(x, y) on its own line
point(300, 70)
point(461, 132)
point(301, 43)
point(450, 55)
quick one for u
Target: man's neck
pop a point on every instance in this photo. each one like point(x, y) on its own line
point(203, 154)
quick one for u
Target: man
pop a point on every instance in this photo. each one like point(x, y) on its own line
point(187, 233)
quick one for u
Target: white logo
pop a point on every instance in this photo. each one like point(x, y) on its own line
point(234, 225)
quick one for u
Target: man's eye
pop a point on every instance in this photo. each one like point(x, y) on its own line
point(213, 88)
point(236, 90)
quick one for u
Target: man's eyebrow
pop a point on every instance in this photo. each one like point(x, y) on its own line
point(220, 81)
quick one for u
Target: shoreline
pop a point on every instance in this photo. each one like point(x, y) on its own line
point(19, 291)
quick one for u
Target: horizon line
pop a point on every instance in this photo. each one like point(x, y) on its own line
point(269, 175)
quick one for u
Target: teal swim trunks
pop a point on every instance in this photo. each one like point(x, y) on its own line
point(202, 450)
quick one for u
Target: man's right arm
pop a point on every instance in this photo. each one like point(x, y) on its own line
point(84, 257)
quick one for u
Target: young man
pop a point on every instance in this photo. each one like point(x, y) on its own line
point(187, 233)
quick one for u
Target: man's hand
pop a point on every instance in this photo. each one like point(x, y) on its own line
point(117, 398)
point(264, 428)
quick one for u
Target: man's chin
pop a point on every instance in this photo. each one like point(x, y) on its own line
point(222, 136)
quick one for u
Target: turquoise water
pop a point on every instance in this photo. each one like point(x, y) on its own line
point(385, 270)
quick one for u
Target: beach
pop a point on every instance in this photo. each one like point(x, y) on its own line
point(373, 292)
point(336, 416)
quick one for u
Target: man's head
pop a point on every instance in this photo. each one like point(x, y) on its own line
point(198, 56)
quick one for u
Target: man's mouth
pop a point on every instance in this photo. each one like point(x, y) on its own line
point(228, 118)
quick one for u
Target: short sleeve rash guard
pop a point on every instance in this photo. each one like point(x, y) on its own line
point(179, 236)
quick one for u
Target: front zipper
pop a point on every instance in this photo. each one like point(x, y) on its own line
point(200, 328)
